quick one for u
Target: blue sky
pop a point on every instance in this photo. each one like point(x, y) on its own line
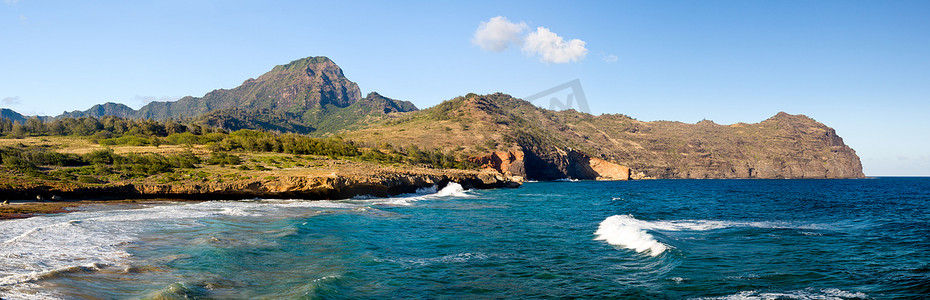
point(861, 67)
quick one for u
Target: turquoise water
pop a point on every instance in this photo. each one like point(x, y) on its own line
point(674, 239)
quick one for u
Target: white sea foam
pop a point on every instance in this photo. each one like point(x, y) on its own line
point(428, 193)
point(452, 189)
point(566, 180)
point(632, 233)
point(446, 259)
point(626, 231)
point(806, 294)
point(35, 248)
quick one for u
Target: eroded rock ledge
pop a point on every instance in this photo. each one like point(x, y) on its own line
point(335, 185)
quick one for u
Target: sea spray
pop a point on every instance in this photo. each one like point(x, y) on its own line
point(39, 248)
point(427, 193)
point(631, 233)
point(628, 232)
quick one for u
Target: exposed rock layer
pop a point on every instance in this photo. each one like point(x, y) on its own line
point(333, 186)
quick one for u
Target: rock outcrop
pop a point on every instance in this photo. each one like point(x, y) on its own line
point(565, 164)
point(605, 170)
point(508, 163)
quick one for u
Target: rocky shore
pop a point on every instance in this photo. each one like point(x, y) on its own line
point(336, 185)
point(308, 184)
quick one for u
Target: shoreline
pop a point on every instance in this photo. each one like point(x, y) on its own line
point(380, 183)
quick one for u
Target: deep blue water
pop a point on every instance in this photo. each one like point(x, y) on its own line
point(651, 239)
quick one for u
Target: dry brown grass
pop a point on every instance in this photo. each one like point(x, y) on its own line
point(64, 142)
point(79, 145)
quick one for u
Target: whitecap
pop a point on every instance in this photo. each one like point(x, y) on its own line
point(631, 233)
point(805, 294)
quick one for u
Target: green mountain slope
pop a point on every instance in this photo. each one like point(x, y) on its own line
point(9, 114)
point(106, 109)
point(309, 95)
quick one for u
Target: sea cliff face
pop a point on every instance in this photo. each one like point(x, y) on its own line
point(784, 146)
point(561, 164)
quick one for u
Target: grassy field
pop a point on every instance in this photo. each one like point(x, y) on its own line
point(203, 167)
point(246, 167)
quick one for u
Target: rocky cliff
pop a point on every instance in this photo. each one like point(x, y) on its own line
point(565, 164)
point(539, 144)
point(784, 146)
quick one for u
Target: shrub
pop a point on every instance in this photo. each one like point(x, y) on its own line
point(102, 156)
point(88, 179)
point(18, 163)
point(185, 160)
point(130, 140)
point(222, 158)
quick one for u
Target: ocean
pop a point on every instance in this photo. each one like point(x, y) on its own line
point(648, 239)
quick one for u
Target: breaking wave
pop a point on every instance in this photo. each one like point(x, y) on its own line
point(811, 294)
point(428, 193)
point(39, 248)
point(631, 233)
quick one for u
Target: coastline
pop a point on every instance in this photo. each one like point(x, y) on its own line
point(300, 184)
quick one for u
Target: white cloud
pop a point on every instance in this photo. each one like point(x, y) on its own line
point(552, 48)
point(498, 33)
point(10, 2)
point(11, 100)
point(610, 58)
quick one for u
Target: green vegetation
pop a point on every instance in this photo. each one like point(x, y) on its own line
point(225, 149)
point(95, 167)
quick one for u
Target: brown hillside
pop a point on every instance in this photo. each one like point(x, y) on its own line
point(561, 144)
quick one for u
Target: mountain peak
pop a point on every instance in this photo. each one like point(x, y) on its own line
point(106, 109)
point(305, 62)
point(792, 119)
point(385, 104)
point(305, 95)
point(296, 87)
point(6, 113)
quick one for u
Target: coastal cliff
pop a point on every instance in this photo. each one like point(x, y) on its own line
point(518, 138)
